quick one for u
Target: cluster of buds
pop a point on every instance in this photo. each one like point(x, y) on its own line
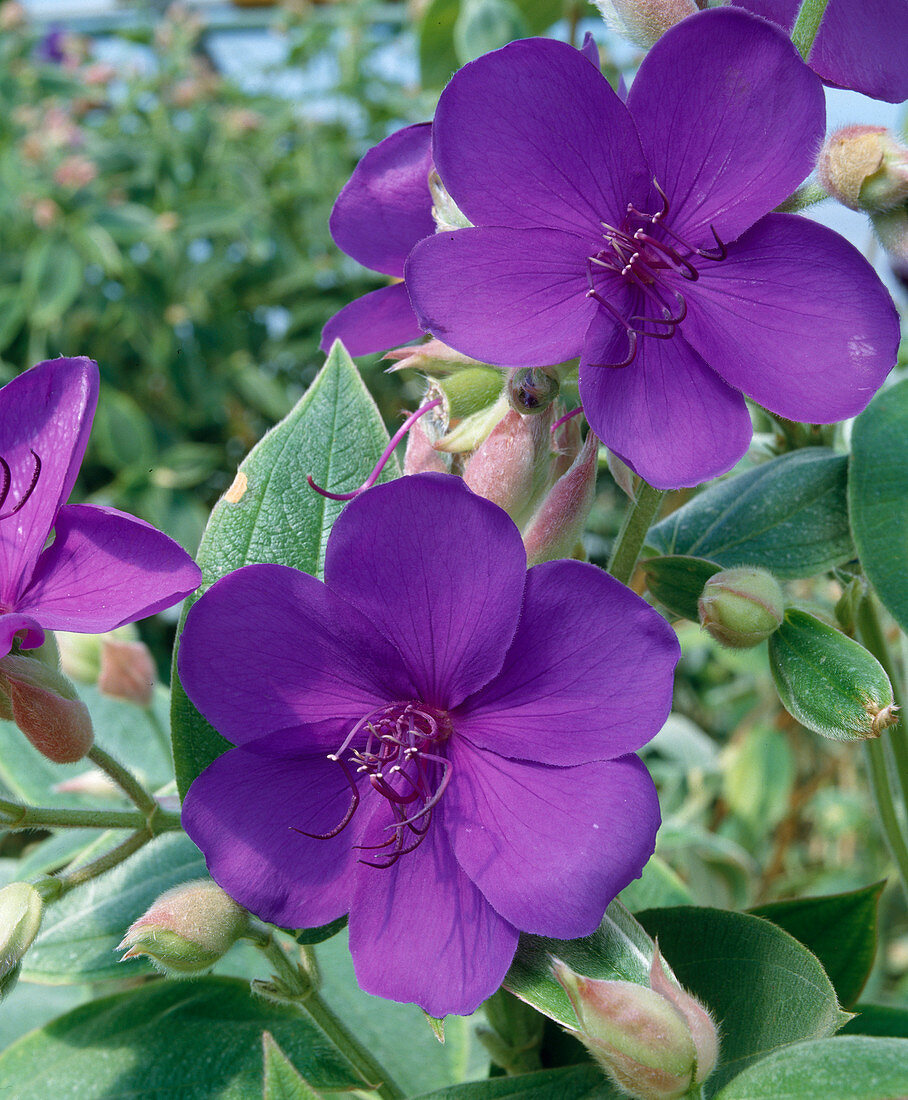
point(655, 1042)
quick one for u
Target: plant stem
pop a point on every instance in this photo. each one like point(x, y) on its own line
point(882, 794)
point(807, 24)
point(808, 194)
point(15, 816)
point(637, 521)
point(124, 779)
point(305, 996)
point(53, 887)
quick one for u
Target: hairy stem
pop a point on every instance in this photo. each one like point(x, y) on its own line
point(124, 779)
point(637, 522)
point(810, 16)
point(15, 816)
point(808, 194)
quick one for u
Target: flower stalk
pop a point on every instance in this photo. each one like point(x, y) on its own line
point(14, 815)
point(637, 522)
point(807, 25)
point(125, 780)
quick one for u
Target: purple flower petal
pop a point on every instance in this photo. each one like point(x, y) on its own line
point(439, 571)
point(586, 653)
point(731, 120)
point(550, 847)
point(859, 45)
point(268, 647)
point(30, 633)
point(105, 568)
point(385, 206)
point(508, 296)
point(47, 410)
point(376, 321)
point(421, 930)
point(667, 415)
point(797, 319)
point(243, 812)
point(532, 135)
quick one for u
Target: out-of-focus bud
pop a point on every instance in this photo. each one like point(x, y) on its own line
point(45, 707)
point(445, 210)
point(532, 389)
point(741, 607)
point(420, 456)
point(864, 168)
point(187, 929)
point(12, 16)
point(46, 212)
point(94, 783)
point(432, 358)
point(513, 466)
point(555, 529)
point(98, 73)
point(892, 230)
point(76, 172)
point(20, 919)
point(80, 654)
point(127, 671)
point(644, 21)
point(655, 1043)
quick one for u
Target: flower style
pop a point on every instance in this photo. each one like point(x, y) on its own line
point(639, 237)
point(435, 740)
point(859, 45)
point(383, 210)
point(103, 568)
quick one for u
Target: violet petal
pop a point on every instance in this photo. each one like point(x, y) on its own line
point(30, 633)
point(374, 322)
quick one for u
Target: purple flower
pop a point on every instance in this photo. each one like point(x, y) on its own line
point(861, 45)
point(681, 295)
point(383, 210)
point(103, 568)
point(435, 740)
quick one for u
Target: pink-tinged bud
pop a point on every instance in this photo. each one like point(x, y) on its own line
point(76, 172)
point(741, 607)
point(94, 783)
point(655, 1043)
point(187, 929)
point(432, 358)
point(644, 21)
point(127, 671)
point(555, 529)
point(625, 478)
point(513, 466)
point(420, 456)
point(532, 390)
point(20, 919)
point(864, 168)
point(46, 708)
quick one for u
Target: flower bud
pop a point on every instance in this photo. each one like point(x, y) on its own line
point(432, 358)
point(20, 919)
point(127, 671)
point(741, 607)
point(892, 230)
point(644, 21)
point(44, 705)
point(187, 929)
point(555, 529)
point(532, 389)
point(864, 168)
point(513, 466)
point(655, 1043)
point(420, 456)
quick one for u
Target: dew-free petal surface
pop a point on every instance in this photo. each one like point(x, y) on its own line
point(439, 571)
point(731, 120)
point(550, 847)
point(376, 321)
point(797, 319)
point(30, 633)
point(586, 654)
point(268, 647)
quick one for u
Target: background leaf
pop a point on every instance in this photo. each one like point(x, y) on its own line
point(677, 582)
point(570, 1083)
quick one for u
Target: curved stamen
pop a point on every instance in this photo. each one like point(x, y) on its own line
point(678, 263)
point(7, 483)
point(567, 416)
point(382, 462)
point(632, 353)
point(719, 253)
point(348, 816)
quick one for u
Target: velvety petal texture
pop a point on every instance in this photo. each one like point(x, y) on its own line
point(863, 45)
point(376, 321)
point(397, 729)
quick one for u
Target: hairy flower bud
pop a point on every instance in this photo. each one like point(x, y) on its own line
point(20, 919)
point(644, 21)
point(741, 607)
point(420, 456)
point(431, 357)
point(44, 705)
point(864, 168)
point(513, 466)
point(655, 1043)
point(187, 929)
point(532, 389)
point(555, 529)
point(127, 671)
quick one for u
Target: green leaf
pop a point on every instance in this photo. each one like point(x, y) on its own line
point(878, 496)
point(789, 516)
point(122, 434)
point(282, 1079)
point(80, 932)
point(486, 25)
point(878, 1020)
point(840, 929)
point(570, 1083)
point(437, 57)
point(51, 281)
point(270, 514)
point(658, 886)
point(826, 680)
point(852, 1067)
point(199, 1040)
point(758, 778)
point(764, 988)
point(677, 582)
point(539, 15)
point(618, 950)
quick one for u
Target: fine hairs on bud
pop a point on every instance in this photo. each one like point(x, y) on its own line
point(644, 21)
point(864, 168)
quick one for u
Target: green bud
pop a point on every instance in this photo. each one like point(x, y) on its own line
point(532, 389)
point(20, 919)
point(741, 607)
point(187, 929)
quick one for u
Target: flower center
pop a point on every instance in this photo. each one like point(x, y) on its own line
point(6, 483)
point(647, 256)
point(399, 750)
